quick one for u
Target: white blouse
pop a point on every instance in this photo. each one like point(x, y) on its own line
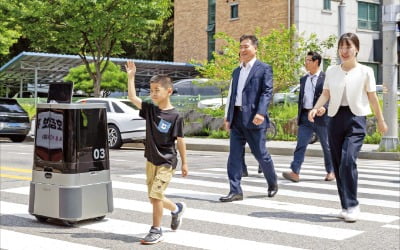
point(352, 86)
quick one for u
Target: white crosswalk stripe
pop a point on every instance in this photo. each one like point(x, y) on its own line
point(306, 184)
point(308, 195)
point(181, 237)
point(268, 204)
point(378, 188)
point(14, 240)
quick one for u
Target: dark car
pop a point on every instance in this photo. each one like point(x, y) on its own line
point(14, 120)
point(195, 87)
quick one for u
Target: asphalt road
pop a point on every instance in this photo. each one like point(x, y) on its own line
point(301, 216)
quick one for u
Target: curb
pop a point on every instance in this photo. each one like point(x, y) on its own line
point(373, 155)
point(390, 156)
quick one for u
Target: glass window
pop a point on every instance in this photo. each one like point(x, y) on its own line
point(211, 29)
point(117, 109)
point(368, 16)
point(234, 11)
point(11, 108)
point(327, 4)
point(325, 64)
point(211, 11)
point(375, 67)
point(99, 101)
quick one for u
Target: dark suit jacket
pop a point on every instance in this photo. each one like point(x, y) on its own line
point(256, 95)
point(320, 120)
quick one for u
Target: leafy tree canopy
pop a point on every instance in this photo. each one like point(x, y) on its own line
point(284, 49)
point(114, 79)
point(9, 31)
point(90, 27)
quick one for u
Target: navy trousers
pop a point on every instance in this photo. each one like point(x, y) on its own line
point(346, 133)
point(304, 134)
point(256, 139)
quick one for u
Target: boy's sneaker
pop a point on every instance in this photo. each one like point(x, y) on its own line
point(155, 235)
point(352, 214)
point(176, 221)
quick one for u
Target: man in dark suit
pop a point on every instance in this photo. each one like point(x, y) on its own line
point(247, 118)
point(311, 86)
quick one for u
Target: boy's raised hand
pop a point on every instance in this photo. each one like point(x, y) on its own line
point(130, 68)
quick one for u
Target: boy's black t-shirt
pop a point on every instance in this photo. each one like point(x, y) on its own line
point(162, 129)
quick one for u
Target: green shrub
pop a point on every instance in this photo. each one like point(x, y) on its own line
point(283, 112)
point(30, 108)
point(219, 134)
point(218, 113)
point(375, 138)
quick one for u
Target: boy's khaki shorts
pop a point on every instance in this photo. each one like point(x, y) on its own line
point(158, 178)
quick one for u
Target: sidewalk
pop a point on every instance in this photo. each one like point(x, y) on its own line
point(368, 151)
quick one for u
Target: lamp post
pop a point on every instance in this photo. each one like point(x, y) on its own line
point(390, 14)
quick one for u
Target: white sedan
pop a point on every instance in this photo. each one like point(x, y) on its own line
point(213, 103)
point(124, 122)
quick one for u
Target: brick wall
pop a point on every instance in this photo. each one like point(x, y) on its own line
point(190, 37)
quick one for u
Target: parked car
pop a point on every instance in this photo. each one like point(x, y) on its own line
point(124, 122)
point(189, 87)
point(380, 90)
point(291, 96)
point(212, 103)
point(14, 120)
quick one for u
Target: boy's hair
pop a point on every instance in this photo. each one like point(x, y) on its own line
point(164, 80)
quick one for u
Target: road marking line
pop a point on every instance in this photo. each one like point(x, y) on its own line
point(16, 177)
point(20, 170)
point(279, 170)
point(266, 224)
point(297, 194)
point(16, 240)
point(262, 203)
point(392, 226)
point(180, 237)
point(324, 185)
point(360, 169)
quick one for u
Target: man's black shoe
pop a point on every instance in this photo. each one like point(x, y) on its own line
point(231, 197)
point(245, 173)
point(259, 169)
point(272, 190)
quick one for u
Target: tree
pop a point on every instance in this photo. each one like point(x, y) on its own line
point(157, 44)
point(9, 31)
point(113, 79)
point(284, 49)
point(93, 29)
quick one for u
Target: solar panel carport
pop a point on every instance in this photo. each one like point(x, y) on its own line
point(42, 68)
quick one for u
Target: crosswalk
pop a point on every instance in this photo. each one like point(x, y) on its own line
point(301, 216)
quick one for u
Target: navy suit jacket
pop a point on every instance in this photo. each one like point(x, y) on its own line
point(256, 95)
point(319, 120)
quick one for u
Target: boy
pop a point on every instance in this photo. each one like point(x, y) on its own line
point(163, 126)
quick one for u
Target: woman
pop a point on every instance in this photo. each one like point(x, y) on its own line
point(350, 88)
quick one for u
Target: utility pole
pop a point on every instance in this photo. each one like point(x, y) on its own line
point(390, 13)
point(342, 22)
point(342, 18)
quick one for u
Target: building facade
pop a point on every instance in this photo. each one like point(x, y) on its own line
point(196, 21)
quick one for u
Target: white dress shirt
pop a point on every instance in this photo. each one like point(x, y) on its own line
point(244, 73)
point(352, 86)
point(309, 90)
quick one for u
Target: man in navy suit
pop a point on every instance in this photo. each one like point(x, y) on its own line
point(247, 118)
point(311, 86)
